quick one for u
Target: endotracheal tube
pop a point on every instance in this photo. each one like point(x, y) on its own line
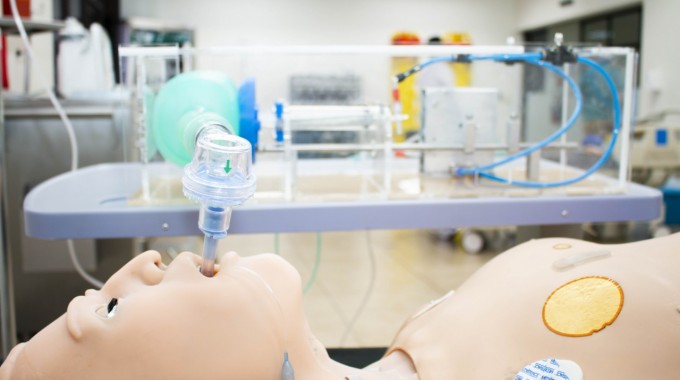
point(218, 177)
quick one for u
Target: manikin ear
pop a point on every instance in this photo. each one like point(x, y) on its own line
point(72, 323)
point(78, 323)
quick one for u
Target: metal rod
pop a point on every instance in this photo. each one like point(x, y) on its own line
point(564, 118)
point(627, 117)
point(364, 50)
point(401, 146)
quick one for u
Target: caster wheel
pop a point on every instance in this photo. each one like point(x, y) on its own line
point(470, 241)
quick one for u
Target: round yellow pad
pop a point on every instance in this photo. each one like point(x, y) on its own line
point(583, 306)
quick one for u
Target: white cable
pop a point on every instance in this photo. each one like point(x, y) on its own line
point(81, 271)
point(69, 131)
point(367, 295)
point(172, 253)
point(68, 126)
point(50, 92)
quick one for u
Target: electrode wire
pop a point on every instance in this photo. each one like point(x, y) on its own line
point(315, 268)
point(369, 290)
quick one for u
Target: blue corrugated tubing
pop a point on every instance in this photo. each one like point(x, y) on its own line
point(535, 59)
point(600, 162)
point(547, 141)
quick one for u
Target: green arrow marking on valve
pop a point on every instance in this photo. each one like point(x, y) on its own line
point(227, 168)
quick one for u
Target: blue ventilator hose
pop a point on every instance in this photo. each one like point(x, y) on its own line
point(550, 139)
point(536, 59)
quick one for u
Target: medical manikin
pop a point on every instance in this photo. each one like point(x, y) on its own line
point(552, 307)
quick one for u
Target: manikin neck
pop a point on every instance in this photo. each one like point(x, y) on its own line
point(311, 361)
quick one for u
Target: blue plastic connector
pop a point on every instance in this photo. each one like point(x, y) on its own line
point(287, 372)
point(278, 109)
point(249, 114)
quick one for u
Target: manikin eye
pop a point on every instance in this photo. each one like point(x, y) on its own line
point(109, 310)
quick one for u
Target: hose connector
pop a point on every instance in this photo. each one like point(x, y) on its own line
point(559, 54)
point(218, 177)
point(220, 173)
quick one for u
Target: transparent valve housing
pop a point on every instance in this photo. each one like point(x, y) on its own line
point(220, 173)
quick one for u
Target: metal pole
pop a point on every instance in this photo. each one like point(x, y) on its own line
point(7, 326)
point(401, 146)
point(626, 120)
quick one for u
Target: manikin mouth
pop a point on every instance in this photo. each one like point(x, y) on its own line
point(216, 270)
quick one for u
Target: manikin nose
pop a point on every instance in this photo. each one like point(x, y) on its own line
point(144, 270)
point(229, 258)
point(185, 264)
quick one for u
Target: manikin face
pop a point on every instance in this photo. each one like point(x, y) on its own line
point(169, 323)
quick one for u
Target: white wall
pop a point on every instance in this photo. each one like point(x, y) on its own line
point(659, 75)
point(296, 22)
point(224, 22)
point(660, 57)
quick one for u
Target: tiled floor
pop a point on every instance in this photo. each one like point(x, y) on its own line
point(409, 268)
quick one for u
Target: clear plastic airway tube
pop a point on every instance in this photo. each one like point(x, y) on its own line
point(214, 222)
point(209, 255)
point(218, 177)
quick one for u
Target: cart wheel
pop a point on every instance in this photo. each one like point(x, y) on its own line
point(661, 230)
point(471, 241)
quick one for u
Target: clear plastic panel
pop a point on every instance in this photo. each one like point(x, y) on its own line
point(333, 136)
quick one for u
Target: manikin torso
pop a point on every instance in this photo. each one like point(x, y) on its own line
point(174, 323)
point(493, 325)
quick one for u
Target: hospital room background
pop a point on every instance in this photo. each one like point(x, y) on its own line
point(361, 276)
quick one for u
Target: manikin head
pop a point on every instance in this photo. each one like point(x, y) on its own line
point(155, 322)
point(171, 323)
